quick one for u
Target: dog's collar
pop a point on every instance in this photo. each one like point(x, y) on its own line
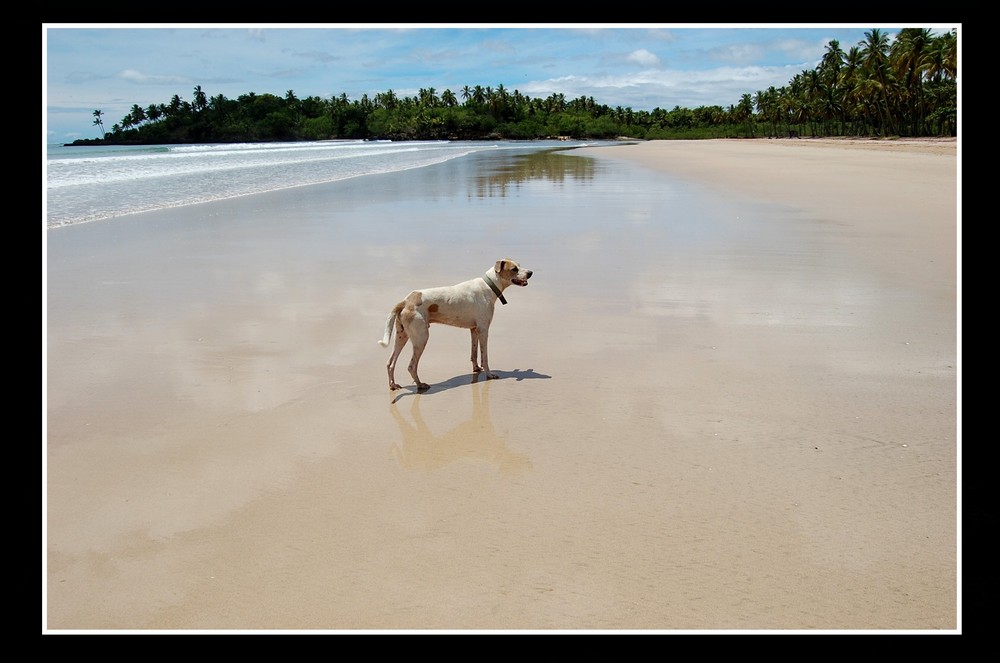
point(494, 288)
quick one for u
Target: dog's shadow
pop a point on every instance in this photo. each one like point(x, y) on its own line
point(473, 439)
point(470, 378)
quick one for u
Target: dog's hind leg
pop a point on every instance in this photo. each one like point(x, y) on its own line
point(401, 339)
point(418, 329)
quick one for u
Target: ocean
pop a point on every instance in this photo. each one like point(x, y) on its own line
point(90, 183)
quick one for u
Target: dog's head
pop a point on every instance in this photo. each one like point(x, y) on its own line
point(509, 270)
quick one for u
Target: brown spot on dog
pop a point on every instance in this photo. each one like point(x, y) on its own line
point(433, 308)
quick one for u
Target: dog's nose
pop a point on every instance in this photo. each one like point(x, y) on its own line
point(528, 276)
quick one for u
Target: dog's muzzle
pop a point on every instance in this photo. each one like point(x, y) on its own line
point(521, 282)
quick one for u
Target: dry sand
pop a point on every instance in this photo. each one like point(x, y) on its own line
point(743, 424)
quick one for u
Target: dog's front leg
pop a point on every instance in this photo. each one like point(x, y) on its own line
point(483, 341)
point(476, 368)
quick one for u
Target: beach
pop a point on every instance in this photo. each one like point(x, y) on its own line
point(727, 400)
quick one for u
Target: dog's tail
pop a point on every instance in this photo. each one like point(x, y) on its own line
point(390, 323)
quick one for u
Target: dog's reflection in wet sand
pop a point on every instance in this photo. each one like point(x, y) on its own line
point(474, 439)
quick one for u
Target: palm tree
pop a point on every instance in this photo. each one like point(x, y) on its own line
point(138, 114)
point(99, 123)
point(909, 54)
point(386, 100)
point(767, 107)
point(519, 105)
point(833, 60)
point(831, 67)
point(478, 95)
point(497, 100)
point(760, 103)
point(428, 97)
point(175, 105)
point(941, 69)
point(745, 112)
point(217, 103)
point(796, 102)
point(875, 60)
point(556, 102)
point(940, 60)
point(200, 100)
point(851, 97)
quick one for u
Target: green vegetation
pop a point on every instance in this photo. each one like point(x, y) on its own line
point(873, 89)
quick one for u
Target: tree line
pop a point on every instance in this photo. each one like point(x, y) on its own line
point(874, 89)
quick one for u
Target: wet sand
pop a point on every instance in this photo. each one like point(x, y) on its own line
point(728, 400)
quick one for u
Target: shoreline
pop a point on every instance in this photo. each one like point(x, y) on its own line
point(930, 144)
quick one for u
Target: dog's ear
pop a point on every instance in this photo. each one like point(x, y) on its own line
point(498, 267)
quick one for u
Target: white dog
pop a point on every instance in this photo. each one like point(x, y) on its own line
point(468, 304)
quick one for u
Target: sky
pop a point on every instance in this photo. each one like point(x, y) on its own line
point(88, 67)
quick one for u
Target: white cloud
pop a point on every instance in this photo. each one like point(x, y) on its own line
point(134, 76)
point(644, 57)
point(738, 53)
